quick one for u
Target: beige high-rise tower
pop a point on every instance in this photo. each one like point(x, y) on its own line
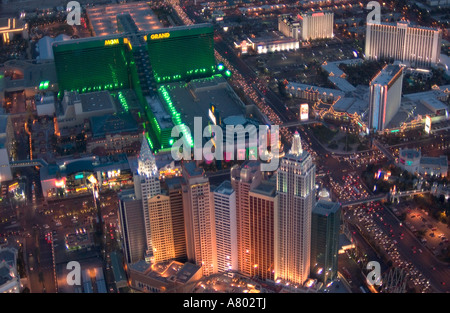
point(263, 200)
point(161, 226)
point(199, 218)
point(243, 178)
point(293, 214)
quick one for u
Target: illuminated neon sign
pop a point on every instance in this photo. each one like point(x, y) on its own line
point(427, 124)
point(111, 42)
point(159, 36)
point(212, 117)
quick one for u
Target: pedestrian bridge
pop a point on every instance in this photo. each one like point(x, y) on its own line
point(389, 196)
point(28, 163)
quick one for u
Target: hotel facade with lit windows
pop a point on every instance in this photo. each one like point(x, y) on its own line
point(385, 96)
point(418, 46)
point(307, 26)
point(198, 206)
point(293, 215)
point(141, 61)
point(225, 224)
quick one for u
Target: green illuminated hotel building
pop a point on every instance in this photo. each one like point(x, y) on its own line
point(92, 64)
point(177, 53)
point(182, 53)
point(116, 62)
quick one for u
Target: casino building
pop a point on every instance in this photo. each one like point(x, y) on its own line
point(413, 45)
point(140, 60)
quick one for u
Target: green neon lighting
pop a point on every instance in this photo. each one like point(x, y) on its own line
point(176, 117)
point(395, 131)
point(150, 143)
point(123, 101)
point(44, 85)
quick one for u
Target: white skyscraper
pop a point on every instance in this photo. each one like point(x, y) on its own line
point(295, 189)
point(307, 26)
point(226, 230)
point(419, 46)
point(385, 96)
point(148, 180)
point(317, 25)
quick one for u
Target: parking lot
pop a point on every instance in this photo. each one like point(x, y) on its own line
point(302, 65)
point(432, 233)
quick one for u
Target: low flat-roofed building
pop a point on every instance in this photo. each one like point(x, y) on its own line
point(431, 100)
point(32, 77)
point(44, 47)
point(197, 98)
point(10, 26)
point(113, 133)
point(6, 147)
point(434, 166)
point(415, 107)
point(9, 278)
point(351, 106)
point(440, 3)
point(341, 84)
point(314, 93)
point(409, 160)
point(332, 68)
point(262, 45)
point(103, 19)
point(104, 168)
point(45, 104)
point(76, 108)
point(412, 161)
point(171, 276)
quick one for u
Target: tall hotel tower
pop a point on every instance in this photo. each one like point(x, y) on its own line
point(295, 188)
point(317, 25)
point(385, 96)
point(132, 226)
point(225, 223)
point(326, 222)
point(262, 209)
point(243, 179)
point(307, 26)
point(419, 46)
point(199, 219)
point(174, 188)
point(148, 180)
point(160, 216)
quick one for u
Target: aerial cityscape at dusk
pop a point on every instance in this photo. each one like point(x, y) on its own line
point(224, 147)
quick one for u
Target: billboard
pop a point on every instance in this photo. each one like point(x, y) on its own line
point(427, 124)
point(304, 112)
